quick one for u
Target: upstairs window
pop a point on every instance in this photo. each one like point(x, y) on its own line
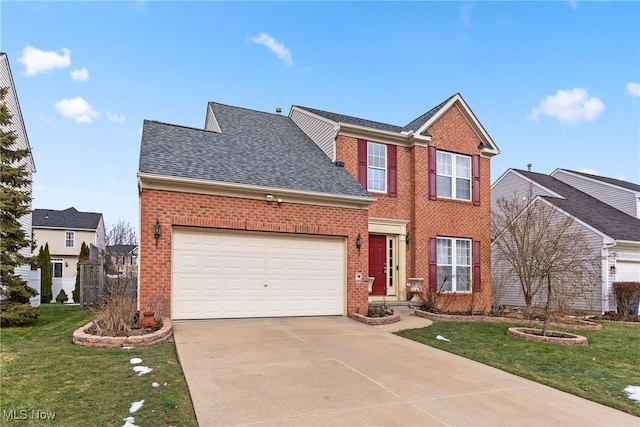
point(453, 175)
point(376, 167)
point(69, 239)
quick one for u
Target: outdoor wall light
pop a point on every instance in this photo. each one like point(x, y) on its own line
point(359, 241)
point(156, 231)
point(612, 270)
point(481, 145)
point(408, 238)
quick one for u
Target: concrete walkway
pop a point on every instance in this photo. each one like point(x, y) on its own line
point(334, 371)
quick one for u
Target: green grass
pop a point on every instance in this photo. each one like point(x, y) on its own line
point(598, 372)
point(41, 370)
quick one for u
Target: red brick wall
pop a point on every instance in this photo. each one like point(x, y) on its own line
point(441, 217)
point(198, 210)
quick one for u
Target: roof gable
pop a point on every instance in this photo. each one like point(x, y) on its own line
point(488, 147)
point(419, 126)
point(68, 219)
point(599, 215)
point(13, 103)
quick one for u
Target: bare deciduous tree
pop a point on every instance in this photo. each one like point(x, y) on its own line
point(544, 249)
point(121, 233)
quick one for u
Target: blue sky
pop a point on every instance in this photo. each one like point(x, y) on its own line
point(556, 84)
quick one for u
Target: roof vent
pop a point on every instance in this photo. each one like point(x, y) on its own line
point(278, 111)
point(529, 166)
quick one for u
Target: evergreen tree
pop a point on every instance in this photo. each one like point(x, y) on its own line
point(15, 202)
point(46, 280)
point(82, 258)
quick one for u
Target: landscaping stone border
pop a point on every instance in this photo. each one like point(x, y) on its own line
point(555, 337)
point(375, 321)
point(81, 337)
point(585, 325)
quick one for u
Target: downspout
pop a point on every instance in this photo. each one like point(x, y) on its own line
point(605, 287)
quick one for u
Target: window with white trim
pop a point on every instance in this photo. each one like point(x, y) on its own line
point(69, 239)
point(453, 175)
point(56, 267)
point(376, 167)
point(454, 264)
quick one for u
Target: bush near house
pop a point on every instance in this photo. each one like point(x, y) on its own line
point(62, 297)
point(627, 296)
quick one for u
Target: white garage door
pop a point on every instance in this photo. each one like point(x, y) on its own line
point(227, 274)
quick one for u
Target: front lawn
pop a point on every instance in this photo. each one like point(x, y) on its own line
point(598, 372)
point(43, 373)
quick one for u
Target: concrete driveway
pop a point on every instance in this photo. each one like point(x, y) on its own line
point(334, 371)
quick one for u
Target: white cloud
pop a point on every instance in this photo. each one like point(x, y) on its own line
point(81, 75)
point(274, 46)
point(77, 109)
point(589, 171)
point(569, 106)
point(38, 61)
point(633, 89)
point(115, 118)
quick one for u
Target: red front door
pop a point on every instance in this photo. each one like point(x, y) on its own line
point(378, 263)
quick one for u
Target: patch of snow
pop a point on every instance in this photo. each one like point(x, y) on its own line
point(441, 338)
point(155, 385)
point(141, 370)
point(135, 361)
point(128, 422)
point(136, 405)
point(633, 391)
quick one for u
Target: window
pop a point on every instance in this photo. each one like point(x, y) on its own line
point(454, 264)
point(376, 167)
point(56, 267)
point(453, 175)
point(69, 239)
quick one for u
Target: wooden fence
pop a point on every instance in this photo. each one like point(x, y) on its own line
point(95, 283)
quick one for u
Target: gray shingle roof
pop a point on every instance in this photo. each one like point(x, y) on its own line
point(414, 125)
point(599, 215)
point(119, 249)
point(253, 148)
point(69, 218)
point(342, 118)
point(613, 181)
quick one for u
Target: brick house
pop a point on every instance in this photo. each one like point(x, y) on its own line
point(261, 214)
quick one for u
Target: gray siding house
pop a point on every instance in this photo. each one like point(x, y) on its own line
point(602, 208)
point(22, 142)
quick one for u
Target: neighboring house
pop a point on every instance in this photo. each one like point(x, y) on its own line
point(22, 142)
point(262, 215)
point(65, 231)
point(603, 208)
point(122, 258)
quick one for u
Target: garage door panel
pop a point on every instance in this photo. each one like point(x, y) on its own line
point(223, 274)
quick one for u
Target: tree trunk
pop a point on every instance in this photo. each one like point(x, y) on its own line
point(546, 307)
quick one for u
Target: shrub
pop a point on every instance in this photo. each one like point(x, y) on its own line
point(62, 297)
point(627, 296)
point(114, 317)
